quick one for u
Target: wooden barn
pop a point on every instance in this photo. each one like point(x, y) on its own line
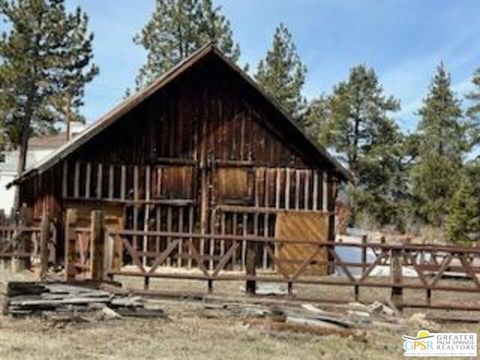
point(202, 150)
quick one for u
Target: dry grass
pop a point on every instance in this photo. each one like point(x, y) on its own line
point(190, 333)
point(193, 333)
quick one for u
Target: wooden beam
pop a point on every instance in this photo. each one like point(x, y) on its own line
point(65, 179)
point(88, 179)
point(97, 244)
point(325, 193)
point(70, 240)
point(44, 237)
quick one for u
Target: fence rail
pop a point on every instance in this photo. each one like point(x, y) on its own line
point(98, 252)
point(398, 267)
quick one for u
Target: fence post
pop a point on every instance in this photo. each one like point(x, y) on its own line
point(70, 237)
point(44, 237)
point(97, 244)
point(4, 235)
point(250, 285)
point(23, 241)
point(396, 278)
point(109, 256)
point(364, 253)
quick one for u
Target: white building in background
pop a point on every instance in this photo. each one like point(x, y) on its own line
point(38, 148)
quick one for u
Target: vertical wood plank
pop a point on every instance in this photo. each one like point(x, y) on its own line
point(180, 241)
point(396, 278)
point(190, 230)
point(287, 188)
point(135, 206)
point(169, 229)
point(97, 233)
point(110, 181)
point(76, 184)
point(158, 227)
point(99, 181)
point(65, 180)
point(88, 180)
point(277, 188)
point(70, 239)
point(123, 182)
point(266, 194)
point(244, 242)
point(325, 191)
point(315, 190)
point(297, 189)
point(234, 242)
point(266, 218)
point(44, 237)
point(222, 231)
point(146, 218)
point(306, 191)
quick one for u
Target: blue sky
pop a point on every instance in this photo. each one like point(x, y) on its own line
point(404, 40)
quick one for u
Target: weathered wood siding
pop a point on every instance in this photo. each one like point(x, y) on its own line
point(205, 154)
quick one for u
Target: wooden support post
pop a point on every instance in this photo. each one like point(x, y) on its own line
point(396, 278)
point(70, 239)
point(44, 237)
point(97, 244)
point(364, 253)
point(24, 240)
point(250, 285)
point(109, 256)
point(357, 292)
point(64, 180)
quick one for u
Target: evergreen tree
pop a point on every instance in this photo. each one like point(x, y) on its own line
point(474, 96)
point(177, 29)
point(463, 221)
point(45, 52)
point(441, 143)
point(359, 130)
point(473, 112)
point(282, 72)
point(316, 114)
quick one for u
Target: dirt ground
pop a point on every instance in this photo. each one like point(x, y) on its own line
point(191, 332)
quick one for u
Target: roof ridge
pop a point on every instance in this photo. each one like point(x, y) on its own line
point(132, 101)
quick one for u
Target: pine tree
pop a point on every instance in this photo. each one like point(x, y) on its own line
point(316, 114)
point(463, 221)
point(177, 29)
point(474, 96)
point(441, 144)
point(45, 52)
point(473, 112)
point(282, 72)
point(359, 130)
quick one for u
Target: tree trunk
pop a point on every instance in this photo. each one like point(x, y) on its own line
point(23, 148)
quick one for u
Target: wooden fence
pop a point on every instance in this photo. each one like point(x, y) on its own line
point(115, 252)
point(99, 253)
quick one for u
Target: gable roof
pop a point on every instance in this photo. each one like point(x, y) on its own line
point(131, 102)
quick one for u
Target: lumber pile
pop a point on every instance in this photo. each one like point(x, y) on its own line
point(63, 300)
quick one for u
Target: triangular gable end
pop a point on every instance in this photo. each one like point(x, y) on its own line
point(132, 102)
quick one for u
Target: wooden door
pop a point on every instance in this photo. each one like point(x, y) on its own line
point(302, 225)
